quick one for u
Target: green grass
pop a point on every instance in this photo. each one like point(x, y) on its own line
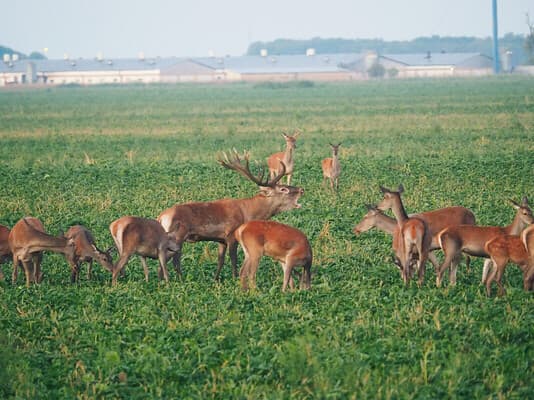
point(91, 155)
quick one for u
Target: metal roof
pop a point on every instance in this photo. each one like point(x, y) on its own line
point(432, 59)
point(281, 63)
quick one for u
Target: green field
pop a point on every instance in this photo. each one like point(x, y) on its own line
point(90, 155)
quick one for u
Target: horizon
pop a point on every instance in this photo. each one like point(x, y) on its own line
point(125, 28)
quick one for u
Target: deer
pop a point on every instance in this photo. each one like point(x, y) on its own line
point(331, 167)
point(27, 240)
point(412, 238)
point(274, 161)
point(283, 243)
point(510, 248)
point(86, 250)
point(5, 251)
point(436, 220)
point(217, 220)
point(472, 240)
point(144, 237)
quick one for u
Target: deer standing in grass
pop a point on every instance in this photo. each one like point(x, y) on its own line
point(435, 220)
point(5, 251)
point(331, 167)
point(144, 237)
point(283, 243)
point(217, 220)
point(509, 248)
point(472, 240)
point(285, 157)
point(27, 241)
point(86, 250)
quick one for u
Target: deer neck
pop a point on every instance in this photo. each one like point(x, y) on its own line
point(39, 241)
point(288, 155)
point(399, 212)
point(516, 226)
point(385, 223)
point(259, 207)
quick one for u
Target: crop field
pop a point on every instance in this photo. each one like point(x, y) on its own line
point(71, 155)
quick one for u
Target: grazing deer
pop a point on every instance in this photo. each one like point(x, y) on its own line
point(286, 157)
point(144, 237)
point(27, 241)
point(5, 251)
point(332, 167)
point(86, 250)
point(435, 220)
point(281, 242)
point(217, 220)
point(510, 248)
point(471, 240)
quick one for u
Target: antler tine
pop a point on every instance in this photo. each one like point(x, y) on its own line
point(236, 164)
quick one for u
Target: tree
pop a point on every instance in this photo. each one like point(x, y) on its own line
point(376, 70)
point(529, 41)
point(35, 55)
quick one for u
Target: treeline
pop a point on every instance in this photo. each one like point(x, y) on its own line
point(35, 55)
point(465, 44)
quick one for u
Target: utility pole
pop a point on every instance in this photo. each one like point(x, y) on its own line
point(495, 39)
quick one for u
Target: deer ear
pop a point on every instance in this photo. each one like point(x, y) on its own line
point(401, 188)
point(524, 202)
point(514, 204)
point(370, 207)
point(384, 190)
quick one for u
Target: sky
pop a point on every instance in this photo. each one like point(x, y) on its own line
point(197, 28)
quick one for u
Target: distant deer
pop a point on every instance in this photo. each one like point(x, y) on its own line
point(332, 167)
point(471, 240)
point(27, 241)
point(286, 157)
point(281, 242)
point(217, 220)
point(144, 237)
point(86, 250)
point(509, 248)
point(5, 251)
point(435, 220)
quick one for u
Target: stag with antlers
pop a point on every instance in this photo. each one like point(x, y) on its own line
point(217, 220)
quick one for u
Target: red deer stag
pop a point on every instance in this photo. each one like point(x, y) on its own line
point(509, 248)
point(144, 237)
point(281, 242)
point(27, 241)
point(332, 167)
point(217, 220)
point(435, 220)
point(285, 157)
point(471, 240)
point(5, 251)
point(86, 250)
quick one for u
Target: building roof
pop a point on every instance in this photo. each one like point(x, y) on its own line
point(281, 63)
point(433, 59)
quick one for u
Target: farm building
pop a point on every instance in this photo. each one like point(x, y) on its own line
point(263, 67)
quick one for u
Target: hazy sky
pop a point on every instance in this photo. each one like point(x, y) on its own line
point(123, 28)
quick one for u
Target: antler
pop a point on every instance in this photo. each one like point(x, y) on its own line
point(236, 164)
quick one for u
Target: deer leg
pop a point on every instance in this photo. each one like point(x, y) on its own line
point(467, 264)
point(145, 267)
point(232, 249)
point(498, 279)
point(244, 273)
point(37, 258)
point(451, 250)
point(176, 258)
point(305, 282)
point(488, 264)
point(163, 265)
point(220, 260)
point(491, 276)
point(15, 273)
point(422, 267)
point(291, 280)
point(89, 269)
point(28, 271)
point(288, 267)
point(119, 267)
point(434, 260)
